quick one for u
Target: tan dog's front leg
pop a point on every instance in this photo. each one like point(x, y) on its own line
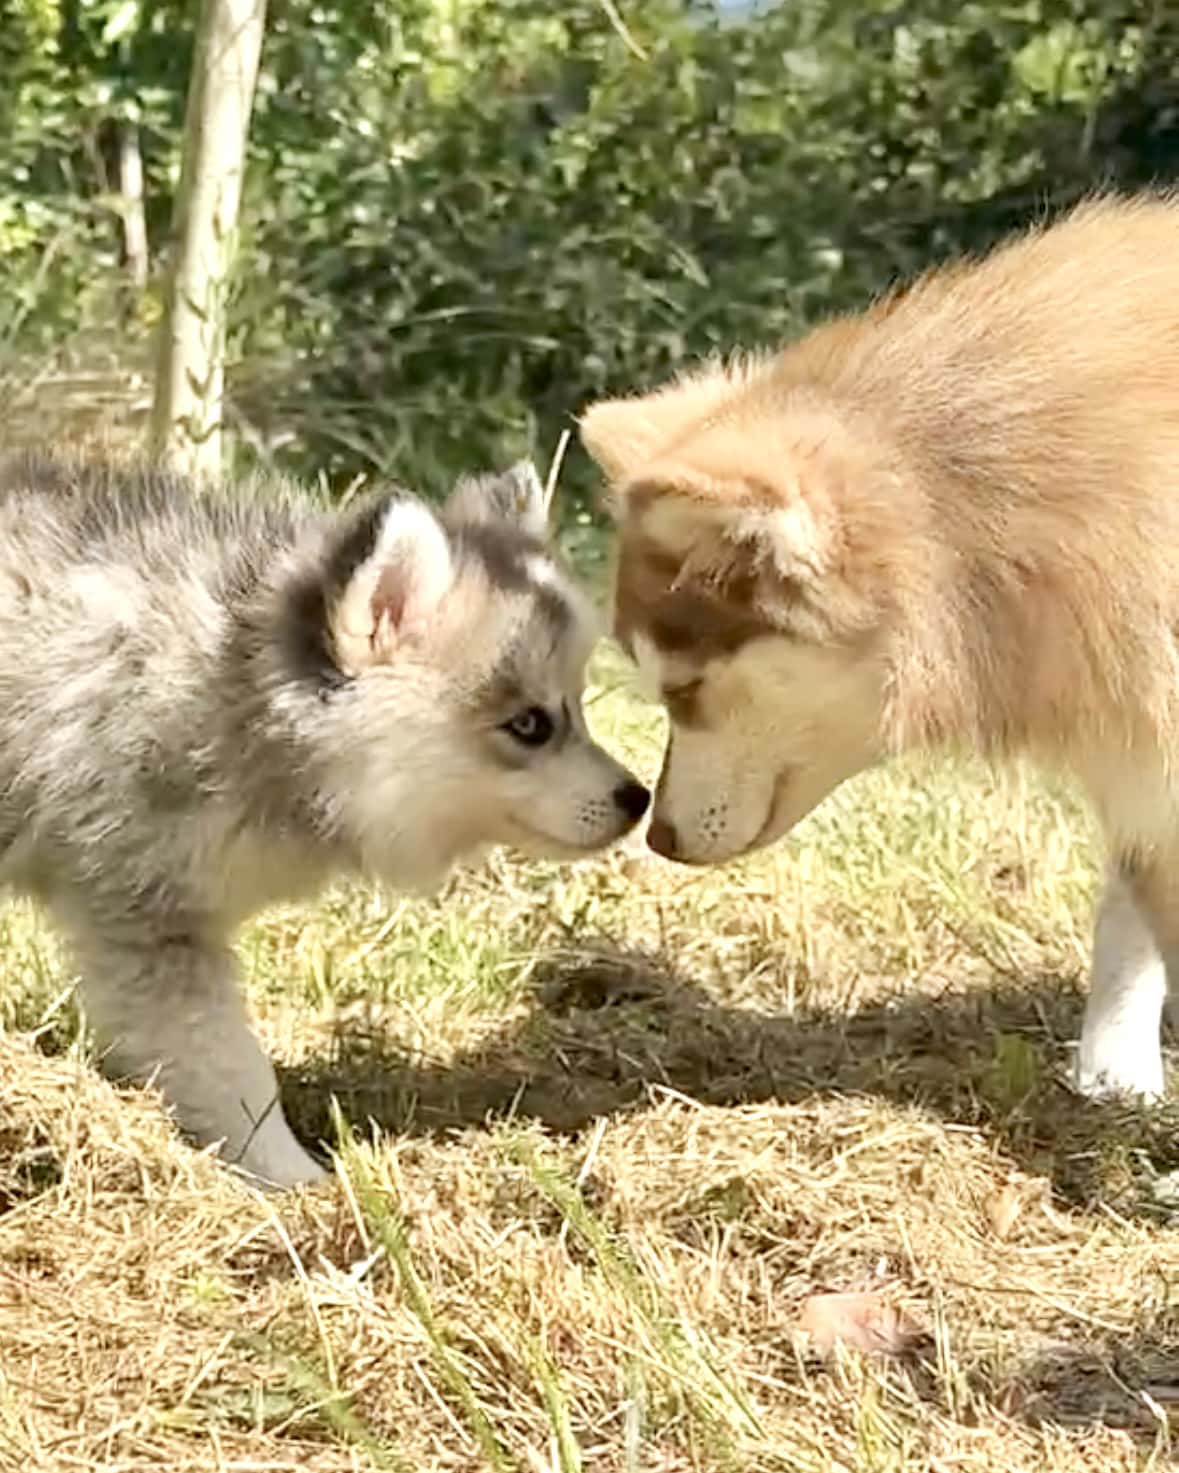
point(1120, 1051)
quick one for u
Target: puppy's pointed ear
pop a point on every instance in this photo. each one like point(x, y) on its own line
point(623, 434)
point(389, 597)
point(514, 497)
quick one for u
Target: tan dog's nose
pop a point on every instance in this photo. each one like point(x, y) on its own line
point(662, 837)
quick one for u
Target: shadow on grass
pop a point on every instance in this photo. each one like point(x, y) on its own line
point(1127, 1382)
point(606, 1026)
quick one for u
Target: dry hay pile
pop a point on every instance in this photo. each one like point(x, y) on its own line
point(623, 1299)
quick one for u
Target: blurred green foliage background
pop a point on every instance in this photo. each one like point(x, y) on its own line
point(464, 218)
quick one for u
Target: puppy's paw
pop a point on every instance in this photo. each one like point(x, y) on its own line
point(280, 1176)
point(274, 1161)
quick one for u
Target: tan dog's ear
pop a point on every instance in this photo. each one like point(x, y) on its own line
point(623, 434)
point(743, 500)
point(620, 434)
point(763, 510)
point(735, 535)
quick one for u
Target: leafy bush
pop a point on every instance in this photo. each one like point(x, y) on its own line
point(463, 220)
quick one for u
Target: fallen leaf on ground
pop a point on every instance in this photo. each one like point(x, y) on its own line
point(1003, 1208)
point(865, 1321)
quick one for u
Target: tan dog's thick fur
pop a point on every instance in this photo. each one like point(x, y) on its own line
point(950, 520)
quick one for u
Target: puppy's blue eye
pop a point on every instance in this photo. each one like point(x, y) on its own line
point(532, 727)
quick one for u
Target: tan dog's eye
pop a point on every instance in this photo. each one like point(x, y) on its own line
point(680, 700)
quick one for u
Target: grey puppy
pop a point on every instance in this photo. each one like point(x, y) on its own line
point(213, 700)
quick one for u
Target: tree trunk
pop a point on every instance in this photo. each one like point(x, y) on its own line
point(131, 204)
point(186, 415)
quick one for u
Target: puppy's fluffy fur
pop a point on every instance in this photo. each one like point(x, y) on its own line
point(209, 702)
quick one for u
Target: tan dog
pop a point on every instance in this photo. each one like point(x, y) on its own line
point(950, 520)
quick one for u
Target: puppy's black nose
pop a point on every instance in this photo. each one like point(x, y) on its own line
point(632, 798)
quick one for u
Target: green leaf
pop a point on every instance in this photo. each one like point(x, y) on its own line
point(121, 22)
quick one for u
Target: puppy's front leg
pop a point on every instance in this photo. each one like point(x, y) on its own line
point(170, 1013)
